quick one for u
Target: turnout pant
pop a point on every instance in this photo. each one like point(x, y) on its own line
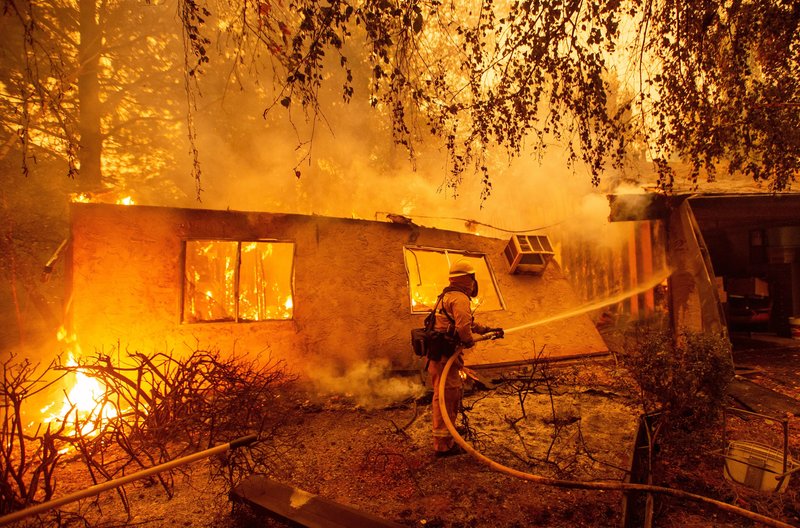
point(442, 439)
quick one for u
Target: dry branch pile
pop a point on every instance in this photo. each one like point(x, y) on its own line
point(151, 409)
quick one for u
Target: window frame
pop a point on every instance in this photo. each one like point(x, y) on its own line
point(239, 242)
point(448, 254)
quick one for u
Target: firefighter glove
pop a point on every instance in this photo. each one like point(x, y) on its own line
point(498, 333)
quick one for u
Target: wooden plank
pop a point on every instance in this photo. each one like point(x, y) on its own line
point(301, 508)
point(646, 249)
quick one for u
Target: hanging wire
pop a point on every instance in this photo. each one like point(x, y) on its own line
point(468, 222)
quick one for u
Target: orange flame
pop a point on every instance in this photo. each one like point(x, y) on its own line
point(107, 197)
point(83, 400)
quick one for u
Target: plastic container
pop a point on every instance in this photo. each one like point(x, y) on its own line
point(756, 466)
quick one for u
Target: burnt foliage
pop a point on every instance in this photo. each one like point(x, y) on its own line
point(715, 85)
point(28, 458)
point(148, 410)
point(159, 407)
point(683, 379)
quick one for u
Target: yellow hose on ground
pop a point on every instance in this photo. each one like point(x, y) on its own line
point(596, 485)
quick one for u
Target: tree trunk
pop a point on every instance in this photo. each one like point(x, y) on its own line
point(91, 139)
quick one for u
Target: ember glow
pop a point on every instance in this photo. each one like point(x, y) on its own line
point(84, 404)
point(110, 197)
point(238, 281)
point(428, 275)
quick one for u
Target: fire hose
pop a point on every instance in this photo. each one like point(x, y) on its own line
point(594, 485)
point(115, 483)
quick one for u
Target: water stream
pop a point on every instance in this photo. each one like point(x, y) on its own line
point(657, 279)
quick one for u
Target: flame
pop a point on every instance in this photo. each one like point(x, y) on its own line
point(87, 392)
point(106, 197)
point(419, 299)
point(83, 401)
point(252, 287)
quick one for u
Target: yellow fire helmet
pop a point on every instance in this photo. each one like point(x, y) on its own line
point(462, 267)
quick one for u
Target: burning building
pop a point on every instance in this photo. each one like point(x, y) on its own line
point(309, 290)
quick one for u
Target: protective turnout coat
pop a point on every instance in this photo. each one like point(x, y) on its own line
point(454, 314)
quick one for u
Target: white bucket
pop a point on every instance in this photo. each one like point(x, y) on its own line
point(757, 466)
point(794, 327)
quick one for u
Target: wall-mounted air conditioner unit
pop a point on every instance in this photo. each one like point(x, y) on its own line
point(528, 253)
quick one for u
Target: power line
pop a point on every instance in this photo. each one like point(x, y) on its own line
point(468, 221)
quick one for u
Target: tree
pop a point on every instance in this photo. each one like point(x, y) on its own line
point(89, 130)
point(35, 85)
point(716, 85)
point(84, 90)
point(86, 83)
point(725, 90)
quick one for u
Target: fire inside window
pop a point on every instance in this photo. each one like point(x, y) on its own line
point(238, 281)
point(428, 275)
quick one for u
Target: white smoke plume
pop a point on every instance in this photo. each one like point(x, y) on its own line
point(369, 384)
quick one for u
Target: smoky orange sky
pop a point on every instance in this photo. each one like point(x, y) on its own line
point(354, 170)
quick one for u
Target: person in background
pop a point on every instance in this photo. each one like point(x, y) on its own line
point(453, 316)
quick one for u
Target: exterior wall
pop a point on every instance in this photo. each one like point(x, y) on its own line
point(603, 271)
point(694, 296)
point(351, 299)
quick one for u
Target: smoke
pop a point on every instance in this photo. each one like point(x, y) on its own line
point(369, 384)
point(590, 223)
point(345, 163)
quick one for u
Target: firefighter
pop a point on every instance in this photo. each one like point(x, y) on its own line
point(454, 317)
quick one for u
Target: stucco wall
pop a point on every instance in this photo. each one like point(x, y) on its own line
point(351, 299)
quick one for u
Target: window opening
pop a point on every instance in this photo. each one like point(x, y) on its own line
point(237, 281)
point(428, 270)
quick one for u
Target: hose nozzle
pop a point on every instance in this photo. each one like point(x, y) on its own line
point(491, 335)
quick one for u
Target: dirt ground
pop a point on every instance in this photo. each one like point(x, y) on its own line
point(379, 460)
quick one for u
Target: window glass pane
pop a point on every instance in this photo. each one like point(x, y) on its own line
point(210, 281)
point(428, 275)
point(265, 281)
